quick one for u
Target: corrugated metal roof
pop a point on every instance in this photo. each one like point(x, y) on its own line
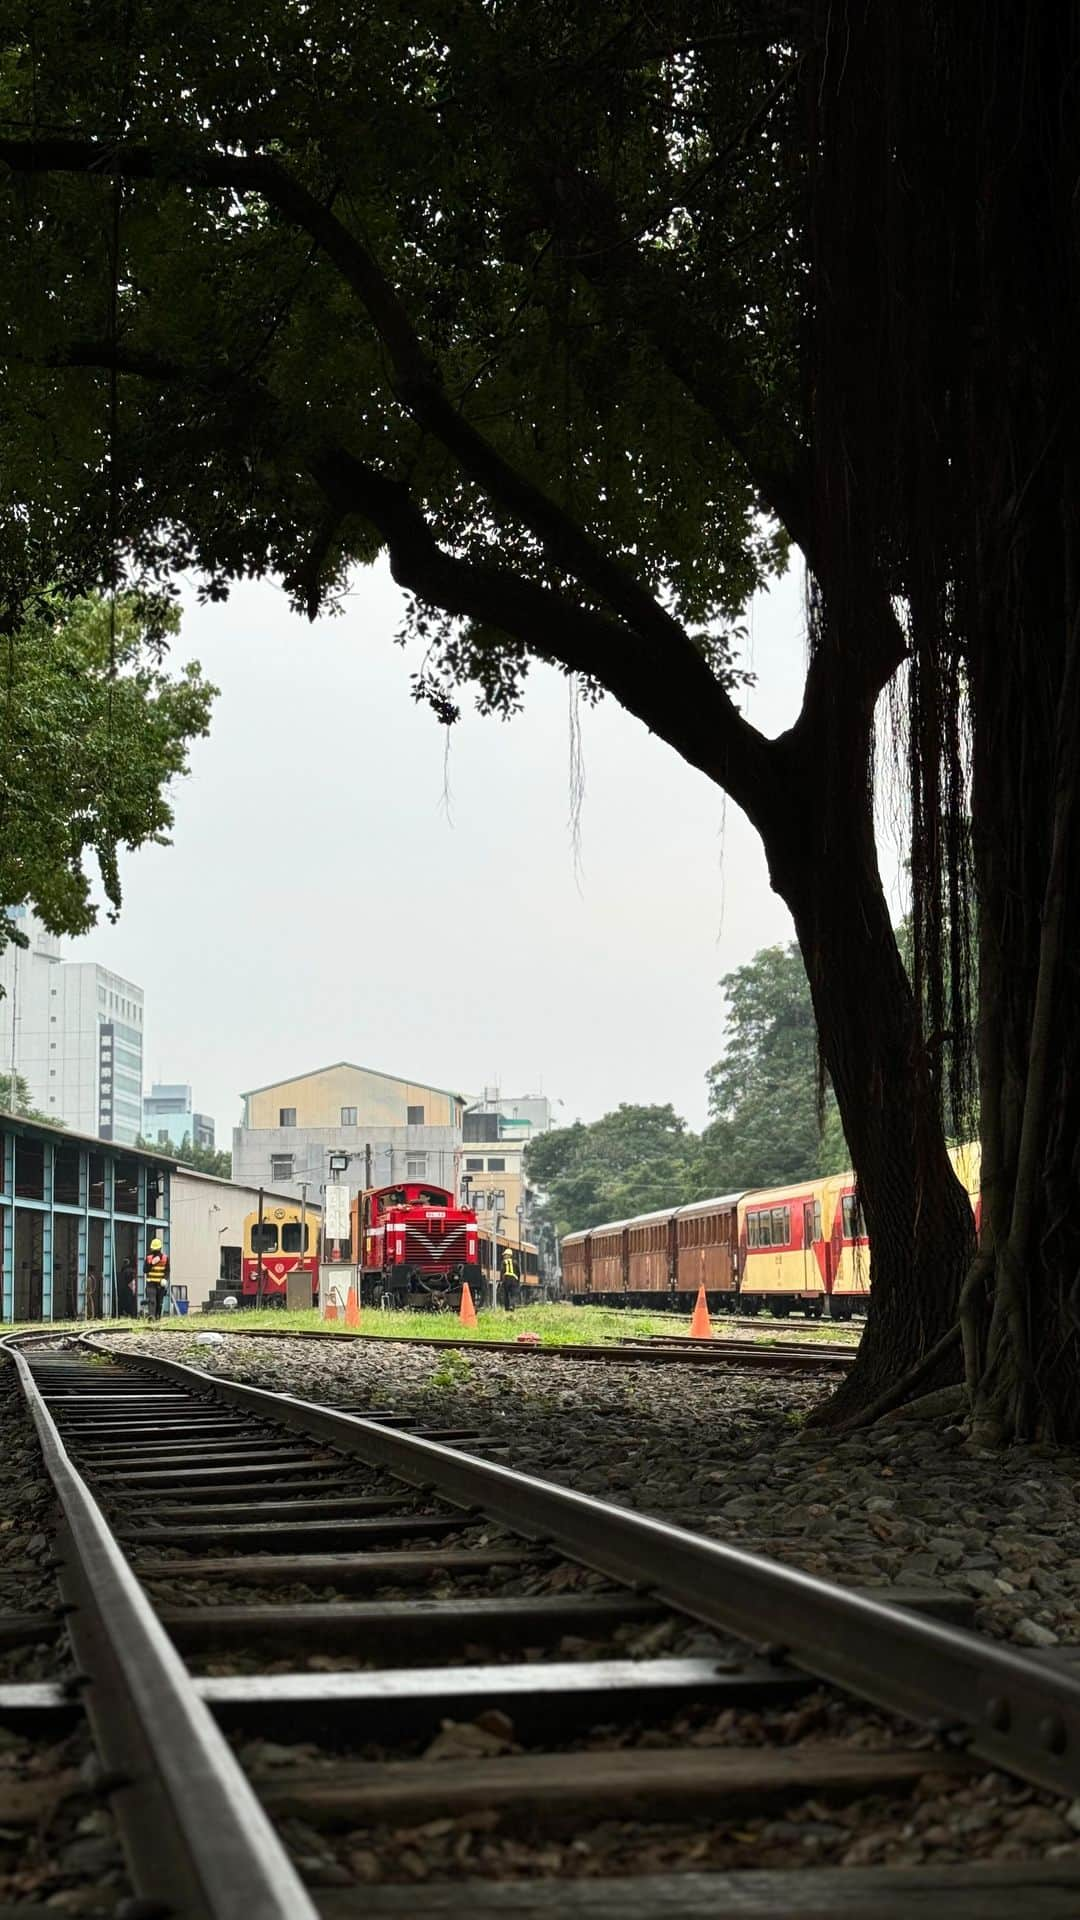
point(57, 1132)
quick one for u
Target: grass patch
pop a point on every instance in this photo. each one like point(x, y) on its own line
point(557, 1325)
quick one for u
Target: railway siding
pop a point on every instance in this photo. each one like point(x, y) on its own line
point(731, 1455)
point(548, 1756)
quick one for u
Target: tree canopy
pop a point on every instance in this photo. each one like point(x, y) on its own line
point(769, 1126)
point(520, 296)
point(214, 1160)
point(15, 1098)
point(93, 727)
point(582, 316)
point(630, 1161)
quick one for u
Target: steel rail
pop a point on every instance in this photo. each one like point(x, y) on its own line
point(780, 1359)
point(1006, 1705)
point(197, 1842)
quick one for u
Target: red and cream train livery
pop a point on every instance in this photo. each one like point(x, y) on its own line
point(803, 1247)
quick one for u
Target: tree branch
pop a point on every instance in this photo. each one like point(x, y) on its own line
point(684, 703)
point(416, 380)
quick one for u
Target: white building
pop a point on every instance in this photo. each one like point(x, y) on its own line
point(169, 1117)
point(206, 1231)
point(496, 1129)
point(74, 1031)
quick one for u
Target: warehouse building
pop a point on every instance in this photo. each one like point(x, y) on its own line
point(73, 1210)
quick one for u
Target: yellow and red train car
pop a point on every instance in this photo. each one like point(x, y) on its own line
point(286, 1240)
point(803, 1247)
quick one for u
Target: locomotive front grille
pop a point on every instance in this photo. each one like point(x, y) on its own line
point(434, 1250)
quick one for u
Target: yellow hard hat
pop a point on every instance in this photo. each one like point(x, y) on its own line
point(155, 1246)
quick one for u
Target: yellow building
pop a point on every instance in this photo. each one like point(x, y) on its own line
point(348, 1096)
point(389, 1127)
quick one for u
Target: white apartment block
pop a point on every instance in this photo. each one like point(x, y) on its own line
point(74, 1031)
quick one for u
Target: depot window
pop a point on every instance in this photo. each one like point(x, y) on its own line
point(96, 1181)
point(126, 1188)
point(29, 1169)
point(66, 1177)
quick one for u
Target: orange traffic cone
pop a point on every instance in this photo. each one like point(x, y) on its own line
point(352, 1309)
point(467, 1312)
point(700, 1327)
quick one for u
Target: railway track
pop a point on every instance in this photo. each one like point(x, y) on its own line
point(437, 1640)
point(654, 1350)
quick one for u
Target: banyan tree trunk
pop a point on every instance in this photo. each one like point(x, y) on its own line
point(1022, 1329)
point(918, 1215)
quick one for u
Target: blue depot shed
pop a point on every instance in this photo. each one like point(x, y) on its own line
point(74, 1212)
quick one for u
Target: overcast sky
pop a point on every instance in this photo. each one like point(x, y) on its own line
point(319, 904)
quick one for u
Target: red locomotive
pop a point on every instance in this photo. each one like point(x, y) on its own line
point(413, 1245)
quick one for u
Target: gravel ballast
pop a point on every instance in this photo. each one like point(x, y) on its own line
point(728, 1454)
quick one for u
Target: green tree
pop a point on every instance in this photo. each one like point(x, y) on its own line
point(215, 1160)
point(557, 306)
point(93, 727)
point(15, 1098)
point(763, 1091)
point(631, 1161)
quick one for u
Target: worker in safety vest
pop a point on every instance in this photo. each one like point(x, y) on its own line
point(508, 1284)
point(156, 1276)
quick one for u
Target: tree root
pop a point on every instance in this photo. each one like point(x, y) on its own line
point(929, 1406)
point(901, 1388)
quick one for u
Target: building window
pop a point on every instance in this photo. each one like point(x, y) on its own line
point(496, 1166)
point(281, 1166)
point(286, 1117)
point(474, 1166)
point(414, 1116)
point(348, 1116)
point(416, 1166)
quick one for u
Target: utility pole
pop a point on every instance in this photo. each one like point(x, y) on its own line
point(367, 1167)
point(303, 1225)
point(259, 1231)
